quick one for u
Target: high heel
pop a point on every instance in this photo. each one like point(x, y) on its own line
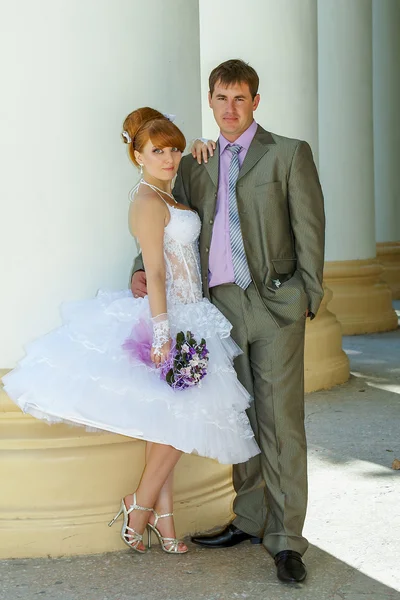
point(128, 535)
point(168, 545)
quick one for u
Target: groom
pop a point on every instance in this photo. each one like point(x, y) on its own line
point(262, 252)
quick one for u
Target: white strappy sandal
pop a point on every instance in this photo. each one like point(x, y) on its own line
point(168, 545)
point(128, 535)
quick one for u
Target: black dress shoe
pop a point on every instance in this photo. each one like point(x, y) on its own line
point(230, 536)
point(290, 567)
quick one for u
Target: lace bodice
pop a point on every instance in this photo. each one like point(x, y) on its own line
point(181, 251)
point(182, 258)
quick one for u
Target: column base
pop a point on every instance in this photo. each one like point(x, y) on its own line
point(325, 363)
point(361, 301)
point(61, 485)
point(388, 254)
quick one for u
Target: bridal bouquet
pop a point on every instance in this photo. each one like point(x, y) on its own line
point(186, 364)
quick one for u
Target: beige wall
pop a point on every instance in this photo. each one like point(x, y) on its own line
point(72, 71)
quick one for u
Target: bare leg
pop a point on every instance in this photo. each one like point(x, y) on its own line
point(164, 502)
point(165, 505)
point(160, 463)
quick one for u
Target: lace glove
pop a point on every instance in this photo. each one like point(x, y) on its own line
point(160, 332)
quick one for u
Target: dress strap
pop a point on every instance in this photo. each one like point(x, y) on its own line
point(155, 189)
point(158, 194)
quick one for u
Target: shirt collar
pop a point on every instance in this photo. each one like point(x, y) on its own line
point(244, 140)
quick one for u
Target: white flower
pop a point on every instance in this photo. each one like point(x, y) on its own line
point(185, 348)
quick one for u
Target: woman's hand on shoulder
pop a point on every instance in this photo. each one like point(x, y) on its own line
point(202, 148)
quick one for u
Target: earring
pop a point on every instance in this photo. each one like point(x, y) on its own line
point(141, 170)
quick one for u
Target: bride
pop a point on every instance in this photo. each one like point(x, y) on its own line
point(86, 372)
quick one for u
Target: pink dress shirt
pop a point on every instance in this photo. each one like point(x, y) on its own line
point(220, 268)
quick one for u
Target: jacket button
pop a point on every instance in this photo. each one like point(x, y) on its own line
point(211, 221)
point(207, 249)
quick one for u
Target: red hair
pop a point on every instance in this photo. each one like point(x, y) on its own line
point(146, 124)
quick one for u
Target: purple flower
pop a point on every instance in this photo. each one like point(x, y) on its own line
point(187, 361)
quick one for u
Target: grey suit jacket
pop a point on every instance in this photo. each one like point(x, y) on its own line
point(281, 212)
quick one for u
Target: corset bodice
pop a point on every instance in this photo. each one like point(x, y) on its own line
point(182, 258)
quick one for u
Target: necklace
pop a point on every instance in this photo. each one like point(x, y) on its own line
point(155, 188)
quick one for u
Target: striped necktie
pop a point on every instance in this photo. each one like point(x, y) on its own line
point(240, 266)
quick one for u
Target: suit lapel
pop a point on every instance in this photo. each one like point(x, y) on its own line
point(207, 209)
point(258, 147)
point(212, 166)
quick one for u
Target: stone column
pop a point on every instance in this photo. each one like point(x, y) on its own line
point(386, 96)
point(361, 300)
point(71, 72)
point(279, 39)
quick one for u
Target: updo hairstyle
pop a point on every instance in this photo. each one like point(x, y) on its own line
point(146, 124)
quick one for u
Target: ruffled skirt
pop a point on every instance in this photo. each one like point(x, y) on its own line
point(81, 374)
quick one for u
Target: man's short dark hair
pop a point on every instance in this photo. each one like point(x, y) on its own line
point(234, 71)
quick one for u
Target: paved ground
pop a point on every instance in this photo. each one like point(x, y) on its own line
point(353, 521)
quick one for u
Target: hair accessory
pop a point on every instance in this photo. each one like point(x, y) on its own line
point(170, 117)
point(127, 137)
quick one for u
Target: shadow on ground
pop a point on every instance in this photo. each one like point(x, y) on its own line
point(242, 572)
point(361, 419)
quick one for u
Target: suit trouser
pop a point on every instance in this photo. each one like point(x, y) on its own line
point(271, 488)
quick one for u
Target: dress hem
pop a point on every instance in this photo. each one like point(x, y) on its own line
point(44, 416)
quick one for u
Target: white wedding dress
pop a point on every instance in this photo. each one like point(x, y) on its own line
point(81, 374)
